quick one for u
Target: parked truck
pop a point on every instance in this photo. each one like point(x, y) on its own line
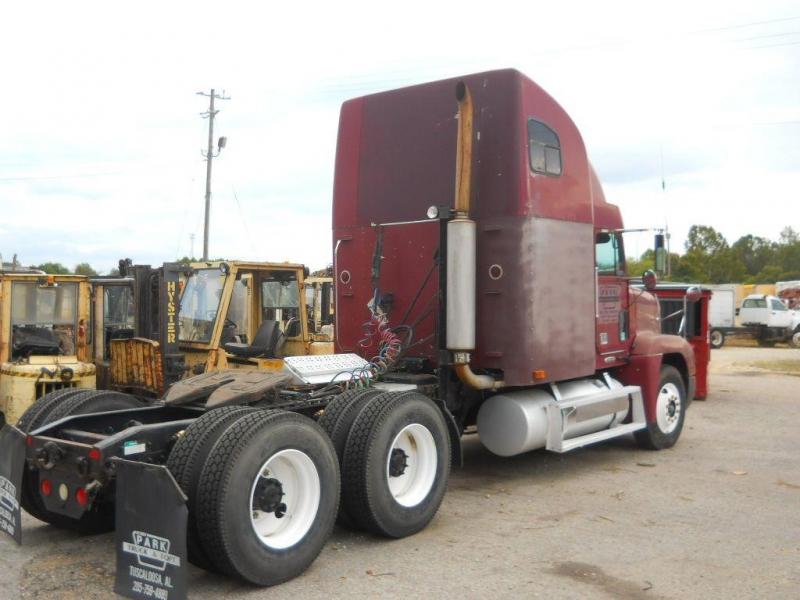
point(762, 317)
point(481, 287)
point(770, 320)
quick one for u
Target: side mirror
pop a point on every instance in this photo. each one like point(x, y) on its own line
point(649, 280)
point(694, 293)
point(660, 253)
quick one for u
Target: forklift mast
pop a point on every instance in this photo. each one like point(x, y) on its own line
point(156, 297)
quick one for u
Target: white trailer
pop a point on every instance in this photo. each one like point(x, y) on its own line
point(721, 313)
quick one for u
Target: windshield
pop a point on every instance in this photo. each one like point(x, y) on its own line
point(280, 301)
point(199, 305)
point(43, 318)
point(118, 306)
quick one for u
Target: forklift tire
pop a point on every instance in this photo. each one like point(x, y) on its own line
point(396, 464)
point(34, 417)
point(101, 516)
point(671, 406)
point(716, 339)
point(268, 497)
point(186, 460)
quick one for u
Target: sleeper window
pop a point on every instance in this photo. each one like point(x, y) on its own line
point(544, 148)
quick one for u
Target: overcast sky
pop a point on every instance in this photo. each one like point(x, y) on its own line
point(101, 136)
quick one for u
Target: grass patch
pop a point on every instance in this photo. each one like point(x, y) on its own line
point(786, 366)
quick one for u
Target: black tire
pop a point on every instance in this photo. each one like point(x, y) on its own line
point(365, 481)
point(100, 518)
point(34, 417)
point(338, 418)
point(225, 502)
point(341, 412)
point(186, 461)
point(92, 401)
point(794, 339)
point(654, 437)
point(716, 339)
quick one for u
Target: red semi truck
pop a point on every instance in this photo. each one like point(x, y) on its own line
point(481, 273)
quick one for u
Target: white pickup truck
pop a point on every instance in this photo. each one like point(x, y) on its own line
point(771, 319)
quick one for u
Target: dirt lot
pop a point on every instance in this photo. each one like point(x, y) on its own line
point(718, 516)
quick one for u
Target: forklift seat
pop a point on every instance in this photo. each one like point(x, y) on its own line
point(267, 342)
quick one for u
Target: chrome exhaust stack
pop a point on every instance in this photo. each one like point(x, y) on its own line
point(462, 255)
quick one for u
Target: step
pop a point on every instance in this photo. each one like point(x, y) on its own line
point(592, 406)
point(599, 436)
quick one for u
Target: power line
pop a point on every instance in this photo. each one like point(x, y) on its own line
point(744, 25)
point(244, 221)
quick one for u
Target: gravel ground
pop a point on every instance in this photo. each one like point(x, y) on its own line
point(718, 516)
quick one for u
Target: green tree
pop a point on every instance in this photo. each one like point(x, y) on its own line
point(53, 268)
point(637, 266)
point(788, 236)
point(709, 258)
point(85, 269)
point(754, 253)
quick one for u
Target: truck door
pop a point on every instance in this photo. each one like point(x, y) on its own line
point(754, 311)
point(780, 316)
point(611, 302)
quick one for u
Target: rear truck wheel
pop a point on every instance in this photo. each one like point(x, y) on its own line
point(34, 417)
point(396, 464)
point(100, 517)
point(92, 401)
point(794, 341)
point(341, 412)
point(665, 430)
point(186, 460)
point(337, 420)
point(716, 339)
point(268, 496)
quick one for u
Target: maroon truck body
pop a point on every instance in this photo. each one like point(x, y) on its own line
point(542, 312)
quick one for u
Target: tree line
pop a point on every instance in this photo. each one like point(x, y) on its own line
point(709, 258)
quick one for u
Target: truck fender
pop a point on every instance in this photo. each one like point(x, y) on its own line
point(456, 452)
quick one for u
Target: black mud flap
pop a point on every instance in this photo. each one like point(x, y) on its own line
point(12, 464)
point(150, 533)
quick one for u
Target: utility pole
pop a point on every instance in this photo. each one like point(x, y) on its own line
point(191, 245)
point(209, 155)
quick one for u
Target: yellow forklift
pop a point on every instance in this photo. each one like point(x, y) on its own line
point(220, 316)
point(45, 337)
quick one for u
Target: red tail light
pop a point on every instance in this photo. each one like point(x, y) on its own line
point(82, 497)
point(94, 454)
point(29, 440)
point(47, 487)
